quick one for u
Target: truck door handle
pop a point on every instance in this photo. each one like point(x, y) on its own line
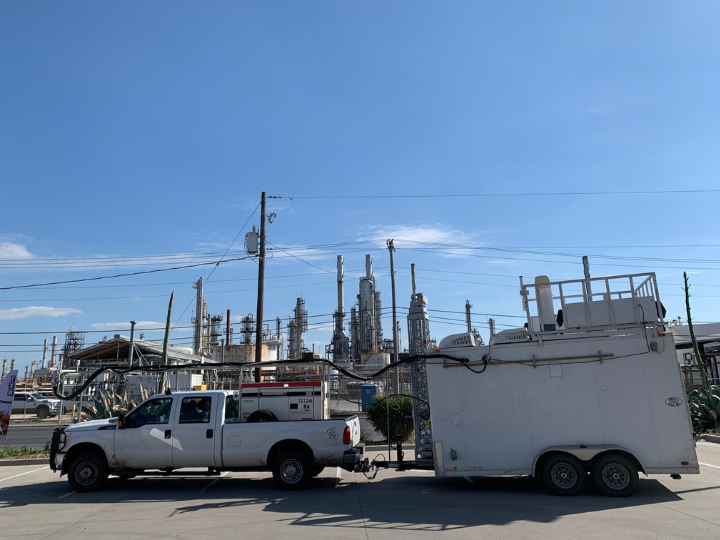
point(209, 434)
point(168, 434)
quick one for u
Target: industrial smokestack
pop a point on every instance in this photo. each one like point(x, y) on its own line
point(4, 369)
point(53, 352)
point(44, 360)
point(228, 334)
point(412, 273)
point(368, 265)
point(341, 295)
point(468, 305)
point(12, 364)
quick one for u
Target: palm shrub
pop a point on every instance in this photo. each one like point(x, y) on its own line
point(704, 404)
point(110, 404)
point(400, 412)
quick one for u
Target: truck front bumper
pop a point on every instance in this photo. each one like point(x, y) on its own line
point(56, 464)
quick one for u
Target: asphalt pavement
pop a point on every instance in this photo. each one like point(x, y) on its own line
point(38, 504)
point(30, 435)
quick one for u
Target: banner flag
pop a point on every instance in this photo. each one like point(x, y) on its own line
point(7, 391)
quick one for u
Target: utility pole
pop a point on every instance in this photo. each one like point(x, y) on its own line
point(261, 288)
point(491, 324)
point(391, 248)
point(132, 343)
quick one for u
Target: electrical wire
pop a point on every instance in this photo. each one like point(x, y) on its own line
point(216, 263)
point(491, 195)
point(249, 365)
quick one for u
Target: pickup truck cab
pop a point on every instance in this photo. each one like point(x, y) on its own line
point(201, 430)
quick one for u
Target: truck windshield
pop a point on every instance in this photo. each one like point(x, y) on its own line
point(37, 396)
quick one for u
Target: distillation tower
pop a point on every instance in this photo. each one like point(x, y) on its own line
point(341, 343)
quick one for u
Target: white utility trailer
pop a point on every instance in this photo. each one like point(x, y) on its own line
point(590, 384)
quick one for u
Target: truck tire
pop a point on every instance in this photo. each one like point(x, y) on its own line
point(292, 470)
point(42, 412)
point(615, 475)
point(563, 474)
point(317, 470)
point(87, 473)
point(262, 416)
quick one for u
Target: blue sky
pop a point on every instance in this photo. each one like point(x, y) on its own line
point(148, 130)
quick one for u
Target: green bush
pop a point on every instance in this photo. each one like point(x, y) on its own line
point(401, 419)
point(705, 408)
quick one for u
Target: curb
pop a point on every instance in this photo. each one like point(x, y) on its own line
point(710, 438)
point(34, 461)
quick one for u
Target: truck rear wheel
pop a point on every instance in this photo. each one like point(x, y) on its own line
point(292, 470)
point(563, 474)
point(87, 473)
point(42, 412)
point(615, 475)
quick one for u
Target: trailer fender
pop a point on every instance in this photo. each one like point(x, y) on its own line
point(586, 454)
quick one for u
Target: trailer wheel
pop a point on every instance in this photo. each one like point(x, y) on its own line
point(563, 474)
point(615, 475)
point(42, 412)
point(87, 473)
point(292, 470)
point(317, 470)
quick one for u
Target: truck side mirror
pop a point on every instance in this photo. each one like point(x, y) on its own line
point(121, 421)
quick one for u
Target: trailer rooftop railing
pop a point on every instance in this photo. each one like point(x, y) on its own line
point(579, 305)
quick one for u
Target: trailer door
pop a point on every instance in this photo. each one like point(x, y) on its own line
point(194, 434)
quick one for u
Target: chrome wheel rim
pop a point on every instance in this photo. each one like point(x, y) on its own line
point(564, 475)
point(86, 473)
point(616, 476)
point(291, 471)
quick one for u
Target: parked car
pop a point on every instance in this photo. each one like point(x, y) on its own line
point(32, 402)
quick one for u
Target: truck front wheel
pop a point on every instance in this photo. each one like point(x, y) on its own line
point(87, 472)
point(292, 470)
point(564, 474)
point(615, 475)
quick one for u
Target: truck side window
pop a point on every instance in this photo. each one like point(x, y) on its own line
point(155, 411)
point(195, 410)
point(232, 407)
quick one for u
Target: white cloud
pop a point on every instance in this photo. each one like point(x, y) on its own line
point(11, 251)
point(288, 252)
point(35, 311)
point(434, 237)
point(125, 326)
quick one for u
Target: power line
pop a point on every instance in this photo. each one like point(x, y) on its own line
point(216, 263)
point(489, 195)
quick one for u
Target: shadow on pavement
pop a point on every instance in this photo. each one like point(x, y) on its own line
point(393, 502)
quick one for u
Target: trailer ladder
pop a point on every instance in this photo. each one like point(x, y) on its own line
point(421, 414)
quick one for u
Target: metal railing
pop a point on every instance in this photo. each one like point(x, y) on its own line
point(599, 299)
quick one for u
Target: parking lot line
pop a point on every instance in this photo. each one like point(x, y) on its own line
point(66, 495)
point(21, 474)
point(708, 465)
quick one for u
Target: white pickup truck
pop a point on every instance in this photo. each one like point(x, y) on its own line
point(201, 430)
